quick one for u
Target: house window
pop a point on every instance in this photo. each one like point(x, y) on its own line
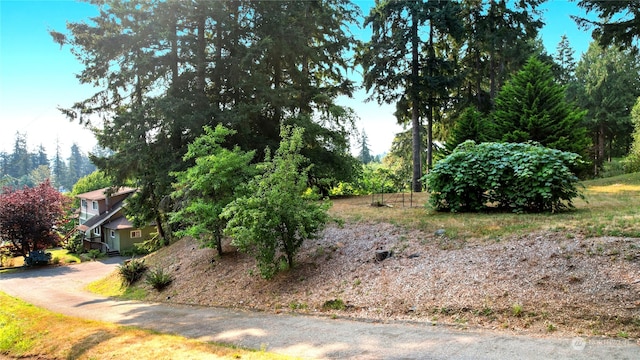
point(136, 234)
point(94, 205)
point(113, 234)
point(83, 202)
point(97, 230)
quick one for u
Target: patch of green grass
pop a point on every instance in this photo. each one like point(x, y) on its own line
point(516, 310)
point(294, 305)
point(111, 286)
point(336, 304)
point(64, 256)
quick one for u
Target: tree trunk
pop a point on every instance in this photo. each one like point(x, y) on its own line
point(600, 149)
point(415, 116)
point(201, 65)
point(430, 102)
point(218, 237)
point(161, 233)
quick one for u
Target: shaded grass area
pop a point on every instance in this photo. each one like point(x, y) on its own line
point(112, 286)
point(30, 332)
point(609, 209)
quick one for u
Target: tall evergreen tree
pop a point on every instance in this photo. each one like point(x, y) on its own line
point(499, 39)
point(394, 61)
point(59, 171)
point(564, 58)
point(618, 22)
point(471, 125)
point(532, 107)
point(19, 160)
point(365, 154)
point(608, 83)
point(164, 70)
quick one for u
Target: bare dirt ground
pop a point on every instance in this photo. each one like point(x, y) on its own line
point(543, 283)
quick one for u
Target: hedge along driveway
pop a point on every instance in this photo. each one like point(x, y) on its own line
point(60, 289)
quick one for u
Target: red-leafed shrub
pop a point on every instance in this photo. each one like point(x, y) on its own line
point(29, 217)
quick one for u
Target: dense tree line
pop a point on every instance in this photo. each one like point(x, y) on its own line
point(167, 70)
point(451, 84)
point(24, 167)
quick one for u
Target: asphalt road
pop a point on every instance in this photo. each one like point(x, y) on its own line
point(60, 289)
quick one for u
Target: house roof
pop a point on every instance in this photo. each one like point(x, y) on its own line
point(101, 219)
point(119, 223)
point(100, 194)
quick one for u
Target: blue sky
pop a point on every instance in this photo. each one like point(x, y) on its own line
point(37, 76)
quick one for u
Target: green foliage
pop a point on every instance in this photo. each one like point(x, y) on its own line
point(374, 178)
point(94, 254)
point(471, 125)
point(401, 64)
point(278, 214)
point(250, 66)
point(75, 243)
point(132, 271)
point(507, 176)
point(632, 161)
point(531, 106)
point(335, 304)
point(608, 85)
point(618, 21)
point(364, 154)
point(204, 189)
point(158, 279)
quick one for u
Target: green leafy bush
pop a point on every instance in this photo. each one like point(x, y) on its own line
point(279, 214)
point(75, 243)
point(509, 176)
point(374, 178)
point(94, 254)
point(132, 271)
point(158, 279)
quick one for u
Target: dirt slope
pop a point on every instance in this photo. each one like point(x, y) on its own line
point(539, 284)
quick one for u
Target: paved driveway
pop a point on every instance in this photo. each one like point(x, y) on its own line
point(60, 289)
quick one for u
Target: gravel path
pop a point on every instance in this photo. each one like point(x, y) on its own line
point(60, 289)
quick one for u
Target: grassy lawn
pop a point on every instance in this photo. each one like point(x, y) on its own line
point(610, 208)
point(30, 332)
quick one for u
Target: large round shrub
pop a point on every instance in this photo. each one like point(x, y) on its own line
point(509, 176)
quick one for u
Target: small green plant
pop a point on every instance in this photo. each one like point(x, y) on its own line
point(335, 304)
point(551, 328)
point(94, 254)
point(294, 305)
point(158, 279)
point(132, 271)
point(516, 310)
point(75, 244)
point(623, 334)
